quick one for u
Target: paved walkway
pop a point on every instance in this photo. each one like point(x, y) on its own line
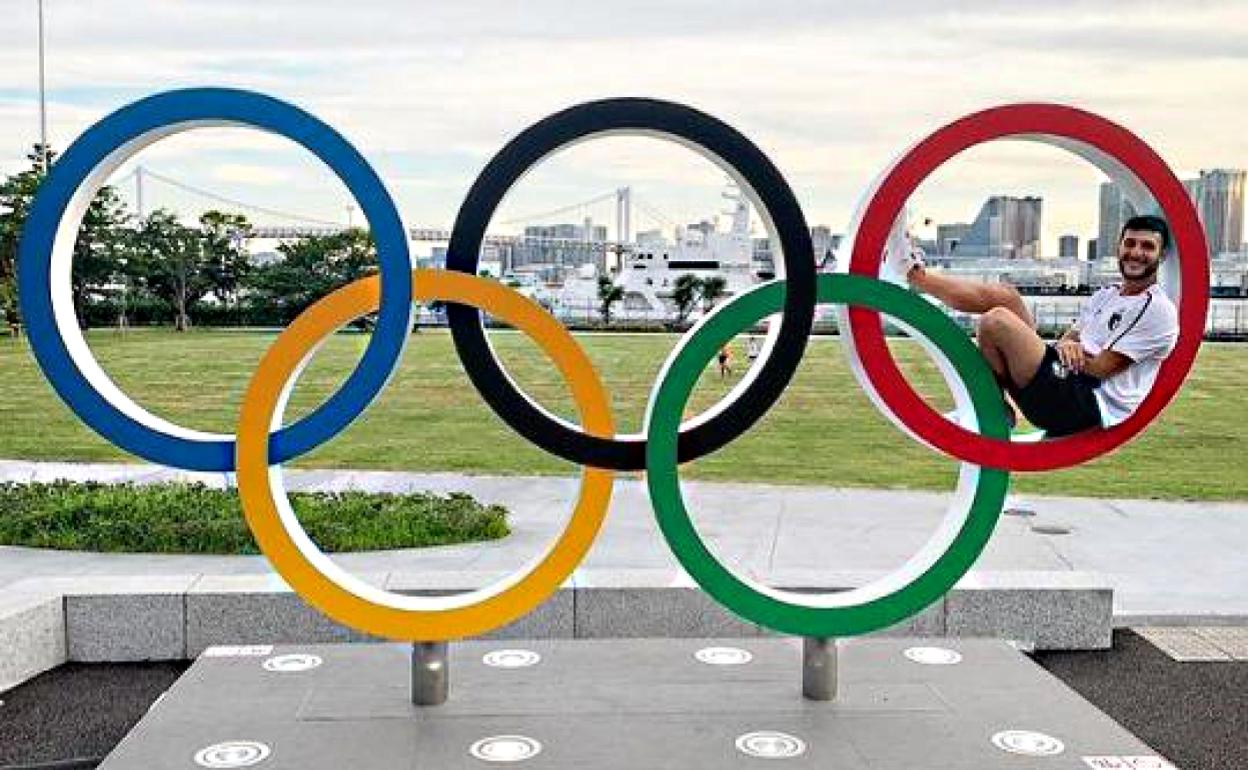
point(1179, 560)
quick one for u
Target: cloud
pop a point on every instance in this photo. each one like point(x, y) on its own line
point(1138, 33)
point(302, 25)
point(830, 91)
point(251, 175)
point(277, 27)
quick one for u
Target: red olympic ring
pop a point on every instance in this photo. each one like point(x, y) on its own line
point(1014, 120)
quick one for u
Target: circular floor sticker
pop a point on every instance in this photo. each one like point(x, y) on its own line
point(724, 656)
point(511, 658)
point(1029, 743)
point(505, 748)
point(933, 656)
point(232, 754)
point(292, 663)
point(769, 744)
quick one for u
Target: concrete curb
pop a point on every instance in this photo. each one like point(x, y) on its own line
point(1140, 620)
point(32, 634)
point(46, 622)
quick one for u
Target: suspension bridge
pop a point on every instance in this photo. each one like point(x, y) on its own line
point(276, 224)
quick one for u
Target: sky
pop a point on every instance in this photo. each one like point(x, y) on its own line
point(831, 91)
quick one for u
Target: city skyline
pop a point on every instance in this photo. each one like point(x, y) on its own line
point(832, 94)
point(1006, 227)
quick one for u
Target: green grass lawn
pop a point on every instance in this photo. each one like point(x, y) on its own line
point(824, 431)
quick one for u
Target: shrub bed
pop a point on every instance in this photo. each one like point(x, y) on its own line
point(192, 518)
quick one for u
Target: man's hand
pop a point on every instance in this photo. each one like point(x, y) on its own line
point(1070, 353)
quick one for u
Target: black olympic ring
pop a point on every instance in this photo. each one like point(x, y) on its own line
point(735, 154)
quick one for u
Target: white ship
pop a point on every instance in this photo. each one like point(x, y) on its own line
point(648, 273)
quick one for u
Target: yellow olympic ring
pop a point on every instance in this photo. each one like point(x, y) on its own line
point(348, 599)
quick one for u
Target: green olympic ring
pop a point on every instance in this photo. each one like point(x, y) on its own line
point(930, 573)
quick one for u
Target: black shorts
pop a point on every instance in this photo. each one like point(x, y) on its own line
point(1059, 401)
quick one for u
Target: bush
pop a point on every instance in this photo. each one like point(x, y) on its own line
point(191, 518)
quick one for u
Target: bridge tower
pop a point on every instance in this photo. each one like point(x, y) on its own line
point(623, 214)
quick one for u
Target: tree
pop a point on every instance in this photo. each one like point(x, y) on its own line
point(685, 294)
point(226, 264)
point(103, 241)
point(712, 289)
point(8, 300)
point(309, 269)
point(171, 264)
point(15, 196)
point(608, 295)
point(100, 244)
point(8, 276)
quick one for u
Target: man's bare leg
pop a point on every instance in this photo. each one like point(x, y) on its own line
point(970, 296)
point(1010, 346)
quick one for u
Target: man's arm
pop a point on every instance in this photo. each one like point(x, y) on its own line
point(1106, 364)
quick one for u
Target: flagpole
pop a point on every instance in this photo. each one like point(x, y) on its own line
point(43, 104)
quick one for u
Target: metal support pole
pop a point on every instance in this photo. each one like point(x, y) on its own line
point(138, 193)
point(818, 668)
point(43, 102)
point(431, 676)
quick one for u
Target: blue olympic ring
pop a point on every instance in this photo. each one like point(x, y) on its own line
point(46, 249)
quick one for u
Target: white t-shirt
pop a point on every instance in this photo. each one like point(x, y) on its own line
point(1143, 327)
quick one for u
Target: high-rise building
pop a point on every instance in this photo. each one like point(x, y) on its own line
point(586, 232)
point(1091, 249)
point(562, 245)
point(1007, 227)
point(761, 250)
point(1114, 210)
point(1068, 247)
point(1193, 189)
point(949, 236)
point(821, 238)
point(1219, 199)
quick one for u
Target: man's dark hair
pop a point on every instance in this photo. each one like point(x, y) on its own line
point(1151, 223)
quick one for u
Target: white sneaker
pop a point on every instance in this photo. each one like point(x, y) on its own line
point(913, 259)
point(899, 261)
point(901, 254)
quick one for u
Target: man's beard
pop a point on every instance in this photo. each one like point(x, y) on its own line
point(1149, 271)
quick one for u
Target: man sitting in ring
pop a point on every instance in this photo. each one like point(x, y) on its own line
point(1099, 371)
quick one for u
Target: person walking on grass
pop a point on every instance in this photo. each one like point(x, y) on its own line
point(725, 362)
point(752, 348)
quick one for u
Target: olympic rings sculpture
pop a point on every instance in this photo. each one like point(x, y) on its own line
point(979, 436)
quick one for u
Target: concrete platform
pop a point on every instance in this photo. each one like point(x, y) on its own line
point(636, 703)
